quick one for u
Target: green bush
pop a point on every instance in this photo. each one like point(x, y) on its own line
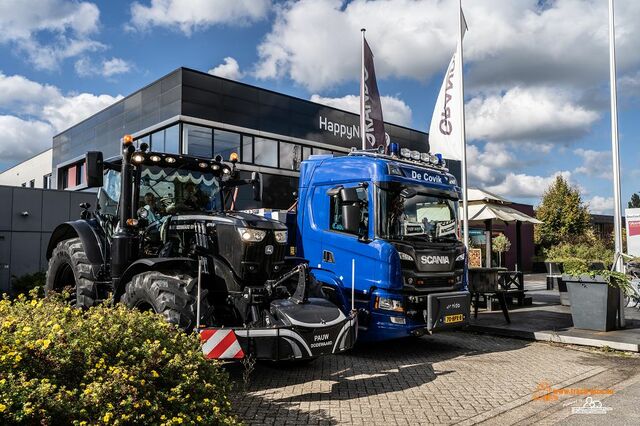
point(25, 283)
point(106, 365)
point(590, 251)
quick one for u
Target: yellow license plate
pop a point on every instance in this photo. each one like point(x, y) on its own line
point(448, 319)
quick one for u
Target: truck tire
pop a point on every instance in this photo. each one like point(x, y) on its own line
point(70, 267)
point(173, 296)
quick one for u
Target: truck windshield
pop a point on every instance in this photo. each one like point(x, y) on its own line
point(408, 214)
point(169, 191)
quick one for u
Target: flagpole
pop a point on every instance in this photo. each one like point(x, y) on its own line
point(362, 129)
point(617, 214)
point(463, 135)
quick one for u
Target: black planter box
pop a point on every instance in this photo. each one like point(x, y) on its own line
point(594, 303)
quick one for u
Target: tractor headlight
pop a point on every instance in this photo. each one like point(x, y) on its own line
point(405, 256)
point(252, 235)
point(388, 304)
point(281, 236)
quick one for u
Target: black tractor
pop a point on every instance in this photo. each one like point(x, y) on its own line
point(161, 238)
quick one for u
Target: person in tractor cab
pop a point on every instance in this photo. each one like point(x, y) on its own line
point(150, 205)
point(194, 198)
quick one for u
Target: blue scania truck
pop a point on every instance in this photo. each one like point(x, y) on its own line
point(388, 223)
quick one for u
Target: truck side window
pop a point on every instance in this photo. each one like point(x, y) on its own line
point(335, 214)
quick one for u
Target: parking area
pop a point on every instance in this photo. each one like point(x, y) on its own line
point(452, 378)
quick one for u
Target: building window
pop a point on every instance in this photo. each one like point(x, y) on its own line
point(265, 152)
point(290, 156)
point(224, 143)
point(46, 181)
point(247, 149)
point(72, 176)
point(306, 152)
point(165, 140)
point(320, 151)
point(198, 141)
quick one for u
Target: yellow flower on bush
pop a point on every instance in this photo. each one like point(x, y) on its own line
point(107, 417)
point(3, 408)
point(155, 374)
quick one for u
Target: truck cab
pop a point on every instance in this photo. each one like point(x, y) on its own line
point(389, 224)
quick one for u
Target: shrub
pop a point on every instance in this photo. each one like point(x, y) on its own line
point(106, 365)
point(594, 250)
point(25, 283)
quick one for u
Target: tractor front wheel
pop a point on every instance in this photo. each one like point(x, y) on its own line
point(69, 267)
point(173, 296)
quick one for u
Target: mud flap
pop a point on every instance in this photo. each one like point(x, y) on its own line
point(448, 310)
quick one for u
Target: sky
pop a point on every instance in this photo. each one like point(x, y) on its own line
point(536, 72)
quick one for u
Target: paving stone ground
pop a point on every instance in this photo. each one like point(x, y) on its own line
point(447, 378)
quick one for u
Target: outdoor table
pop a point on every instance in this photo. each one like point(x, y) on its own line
point(486, 282)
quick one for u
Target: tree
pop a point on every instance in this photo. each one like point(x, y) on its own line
point(500, 244)
point(565, 217)
point(634, 203)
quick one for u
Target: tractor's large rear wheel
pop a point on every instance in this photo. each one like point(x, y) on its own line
point(69, 268)
point(173, 296)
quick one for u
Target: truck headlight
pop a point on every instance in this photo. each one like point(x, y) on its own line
point(281, 236)
point(405, 256)
point(388, 304)
point(460, 257)
point(252, 235)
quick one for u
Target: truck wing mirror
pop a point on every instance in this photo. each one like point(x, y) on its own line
point(351, 218)
point(94, 169)
point(256, 183)
point(349, 195)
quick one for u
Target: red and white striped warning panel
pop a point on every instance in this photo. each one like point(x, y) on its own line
point(220, 344)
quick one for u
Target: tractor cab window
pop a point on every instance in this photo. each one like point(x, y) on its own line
point(335, 217)
point(173, 191)
point(109, 194)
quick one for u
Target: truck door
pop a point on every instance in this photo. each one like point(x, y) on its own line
point(340, 246)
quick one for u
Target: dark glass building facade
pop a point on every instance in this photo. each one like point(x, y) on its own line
point(191, 112)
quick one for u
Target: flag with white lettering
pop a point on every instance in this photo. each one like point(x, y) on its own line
point(371, 121)
point(445, 129)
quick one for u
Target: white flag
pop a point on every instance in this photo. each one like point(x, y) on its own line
point(445, 130)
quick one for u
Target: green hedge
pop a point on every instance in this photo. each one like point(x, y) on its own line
point(593, 251)
point(106, 365)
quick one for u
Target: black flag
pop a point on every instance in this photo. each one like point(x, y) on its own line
point(371, 121)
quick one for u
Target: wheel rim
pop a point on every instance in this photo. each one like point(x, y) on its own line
point(65, 279)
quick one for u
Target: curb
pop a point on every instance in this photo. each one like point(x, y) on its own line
point(552, 336)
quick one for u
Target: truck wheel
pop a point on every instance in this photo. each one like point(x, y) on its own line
point(70, 267)
point(172, 296)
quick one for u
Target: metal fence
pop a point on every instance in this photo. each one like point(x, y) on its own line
point(27, 218)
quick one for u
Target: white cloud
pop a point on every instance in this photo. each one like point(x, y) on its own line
point(228, 69)
point(595, 163)
point(487, 167)
point(23, 138)
point(66, 25)
point(31, 113)
point(107, 68)
point(601, 205)
point(527, 114)
point(394, 109)
point(525, 186)
point(191, 15)
point(316, 43)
